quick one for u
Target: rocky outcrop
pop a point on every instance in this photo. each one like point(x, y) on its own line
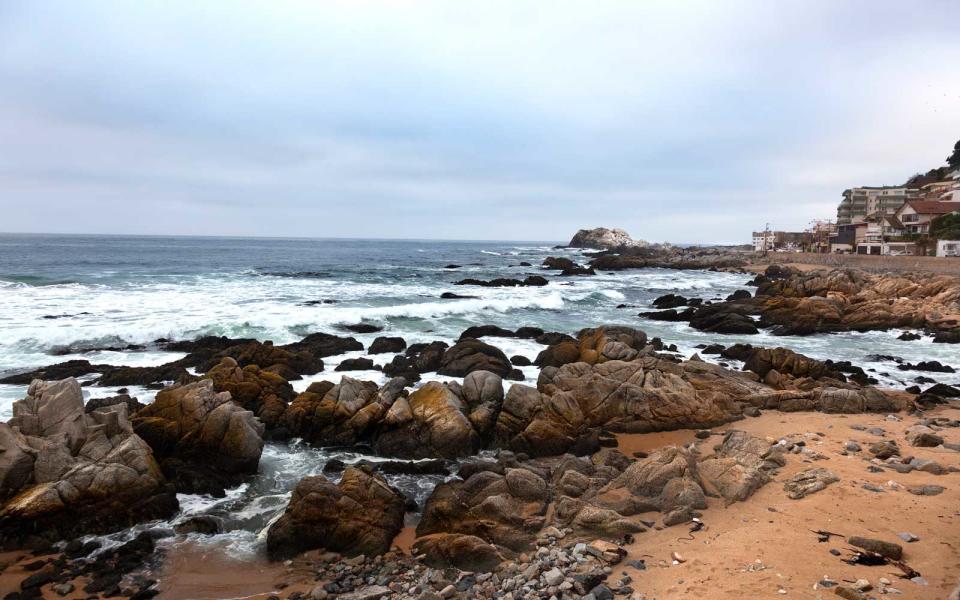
point(204, 440)
point(322, 345)
point(847, 300)
point(64, 472)
point(266, 356)
point(360, 515)
point(601, 237)
point(571, 404)
point(666, 481)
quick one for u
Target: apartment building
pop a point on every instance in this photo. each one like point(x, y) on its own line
point(860, 202)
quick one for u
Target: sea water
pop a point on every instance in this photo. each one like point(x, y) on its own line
point(61, 296)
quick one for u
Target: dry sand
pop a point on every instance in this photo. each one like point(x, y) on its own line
point(756, 548)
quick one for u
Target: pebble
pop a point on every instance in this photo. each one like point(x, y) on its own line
point(908, 537)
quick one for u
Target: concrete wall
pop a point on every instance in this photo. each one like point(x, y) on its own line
point(928, 264)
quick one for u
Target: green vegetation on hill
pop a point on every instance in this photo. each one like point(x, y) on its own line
point(946, 227)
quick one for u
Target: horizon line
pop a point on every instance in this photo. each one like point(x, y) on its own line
point(326, 238)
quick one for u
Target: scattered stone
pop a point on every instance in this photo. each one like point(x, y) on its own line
point(809, 482)
point(908, 537)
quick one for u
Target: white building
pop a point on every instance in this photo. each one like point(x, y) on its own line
point(763, 240)
point(948, 248)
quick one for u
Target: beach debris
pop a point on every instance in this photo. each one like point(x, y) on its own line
point(824, 536)
point(677, 559)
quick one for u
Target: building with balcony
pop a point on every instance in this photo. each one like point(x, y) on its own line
point(860, 202)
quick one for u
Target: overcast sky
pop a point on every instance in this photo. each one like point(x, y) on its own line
point(680, 121)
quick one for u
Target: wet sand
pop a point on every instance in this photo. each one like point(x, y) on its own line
point(754, 549)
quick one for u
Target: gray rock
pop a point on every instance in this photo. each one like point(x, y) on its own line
point(908, 537)
point(922, 437)
point(809, 482)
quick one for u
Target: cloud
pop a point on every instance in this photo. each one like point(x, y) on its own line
point(476, 120)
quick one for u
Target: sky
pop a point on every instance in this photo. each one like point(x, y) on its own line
point(677, 121)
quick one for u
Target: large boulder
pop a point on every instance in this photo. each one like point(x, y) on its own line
point(64, 472)
point(204, 440)
point(470, 355)
point(601, 237)
point(485, 506)
point(433, 422)
point(360, 515)
point(647, 394)
point(741, 465)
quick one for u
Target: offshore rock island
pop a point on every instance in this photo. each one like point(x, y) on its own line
point(508, 462)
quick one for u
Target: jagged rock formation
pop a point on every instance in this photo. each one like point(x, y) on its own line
point(795, 303)
point(204, 440)
point(64, 472)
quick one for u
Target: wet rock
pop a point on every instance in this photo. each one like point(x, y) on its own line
point(202, 524)
point(133, 405)
point(809, 482)
point(356, 364)
point(321, 345)
point(471, 355)
point(383, 345)
point(360, 515)
point(928, 365)
point(531, 281)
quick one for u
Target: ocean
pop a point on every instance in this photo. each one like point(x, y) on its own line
point(61, 296)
